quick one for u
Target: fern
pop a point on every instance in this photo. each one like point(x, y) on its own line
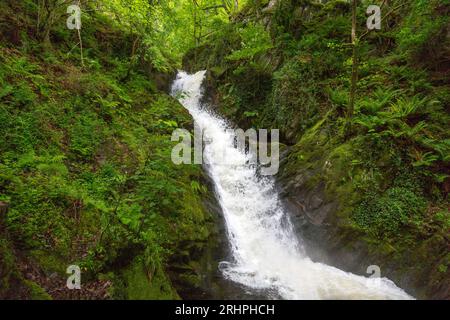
point(405, 107)
point(424, 159)
point(441, 147)
point(255, 40)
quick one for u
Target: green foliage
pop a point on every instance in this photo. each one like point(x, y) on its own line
point(9, 274)
point(250, 114)
point(147, 283)
point(254, 41)
point(198, 188)
point(37, 292)
point(400, 121)
point(294, 101)
point(380, 99)
point(85, 135)
point(85, 151)
point(405, 119)
point(405, 107)
point(423, 32)
point(387, 214)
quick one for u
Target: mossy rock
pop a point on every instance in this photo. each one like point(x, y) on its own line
point(142, 284)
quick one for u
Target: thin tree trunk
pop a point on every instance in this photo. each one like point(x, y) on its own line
point(132, 58)
point(81, 48)
point(354, 80)
point(3, 211)
point(195, 33)
point(79, 38)
point(38, 25)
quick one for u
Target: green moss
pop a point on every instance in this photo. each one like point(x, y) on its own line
point(190, 280)
point(143, 284)
point(50, 262)
point(36, 291)
point(8, 269)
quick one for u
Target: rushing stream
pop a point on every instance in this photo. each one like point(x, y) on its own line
point(266, 254)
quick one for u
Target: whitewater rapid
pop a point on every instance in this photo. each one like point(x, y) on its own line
point(266, 254)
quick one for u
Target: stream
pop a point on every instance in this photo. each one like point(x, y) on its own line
point(266, 255)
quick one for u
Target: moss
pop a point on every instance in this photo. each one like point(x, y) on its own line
point(8, 269)
point(141, 284)
point(50, 262)
point(36, 291)
point(190, 280)
point(194, 223)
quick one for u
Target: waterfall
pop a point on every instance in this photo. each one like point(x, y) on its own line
point(266, 254)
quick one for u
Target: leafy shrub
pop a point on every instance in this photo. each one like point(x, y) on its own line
point(86, 135)
point(386, 214)
point(294, 102)
point(254, 40)
point(423, 32)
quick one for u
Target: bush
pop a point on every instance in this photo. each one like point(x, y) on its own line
point(386, 214)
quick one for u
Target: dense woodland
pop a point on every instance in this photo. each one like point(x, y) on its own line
point(86, 120)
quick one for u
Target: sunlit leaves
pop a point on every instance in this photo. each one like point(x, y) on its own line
point(254, 40)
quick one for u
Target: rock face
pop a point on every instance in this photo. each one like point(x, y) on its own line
point(194, 268)
point(315, 217)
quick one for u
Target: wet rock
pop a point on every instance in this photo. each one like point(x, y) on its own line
point(328, 238)
point(194, 269)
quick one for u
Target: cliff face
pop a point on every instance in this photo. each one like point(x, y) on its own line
point(322, 215)
point(361, 190)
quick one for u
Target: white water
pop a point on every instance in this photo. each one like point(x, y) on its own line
point(266, 253)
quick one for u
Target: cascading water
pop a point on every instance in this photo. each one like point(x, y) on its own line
point(266, 253)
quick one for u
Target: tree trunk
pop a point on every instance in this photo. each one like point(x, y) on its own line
point(3, 211)
point(354, 80)
point(81, 40)
point(132, 59)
